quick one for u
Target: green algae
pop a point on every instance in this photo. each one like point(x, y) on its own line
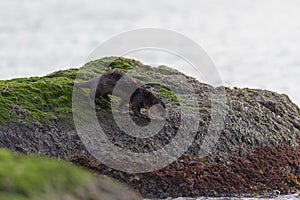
point(32, 176)
point(35, 99)
point(168, 94)
point(103, 103)
point(142, 78)
point(97, 67)
point(48, 99)
point(163, 69)
point(69, 73)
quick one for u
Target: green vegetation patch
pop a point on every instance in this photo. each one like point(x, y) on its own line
point(37, 99)
point(168, 94)
point(163, 91)
point(47, 99)
point(29, 177)
point(97, 67)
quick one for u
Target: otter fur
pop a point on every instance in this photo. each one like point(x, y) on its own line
point(104, 85)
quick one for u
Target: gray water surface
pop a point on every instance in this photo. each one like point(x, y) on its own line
point(287, 197)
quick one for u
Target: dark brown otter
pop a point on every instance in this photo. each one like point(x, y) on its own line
point(103, 85)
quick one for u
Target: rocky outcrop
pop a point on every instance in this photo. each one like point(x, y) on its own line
point(255, 146)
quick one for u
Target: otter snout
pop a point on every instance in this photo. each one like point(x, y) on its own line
point(157, 111)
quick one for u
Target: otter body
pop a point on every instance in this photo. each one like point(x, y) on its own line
point(103, 85)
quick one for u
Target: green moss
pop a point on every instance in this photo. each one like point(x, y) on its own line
point(165, 70)
point(102, 103)
point(27, 177)
point(49, 99)
point(35, 99)
point(144, 68)
point(96, 67)
point(168, 94)
point(69, 73)
point(141, 78)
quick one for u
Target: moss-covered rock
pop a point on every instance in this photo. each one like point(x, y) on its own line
point(36, 116)
point(34, 177)
point(48, 99)
point(27, 100)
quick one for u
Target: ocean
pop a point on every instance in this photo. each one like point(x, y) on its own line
point(252, 43)
point(287, 197)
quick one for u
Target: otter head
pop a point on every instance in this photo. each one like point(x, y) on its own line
point(154, 104)
point(151, 99)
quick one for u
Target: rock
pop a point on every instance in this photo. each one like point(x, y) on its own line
point(256, 151)
point(36, 177)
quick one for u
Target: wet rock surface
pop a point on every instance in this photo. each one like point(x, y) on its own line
point(255, 134)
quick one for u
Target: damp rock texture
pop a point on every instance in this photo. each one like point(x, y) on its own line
point(244, 142)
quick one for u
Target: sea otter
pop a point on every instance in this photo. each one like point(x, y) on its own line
point(103, 85)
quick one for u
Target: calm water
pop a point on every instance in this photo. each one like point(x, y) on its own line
point(253, 43)
point(287, 197)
